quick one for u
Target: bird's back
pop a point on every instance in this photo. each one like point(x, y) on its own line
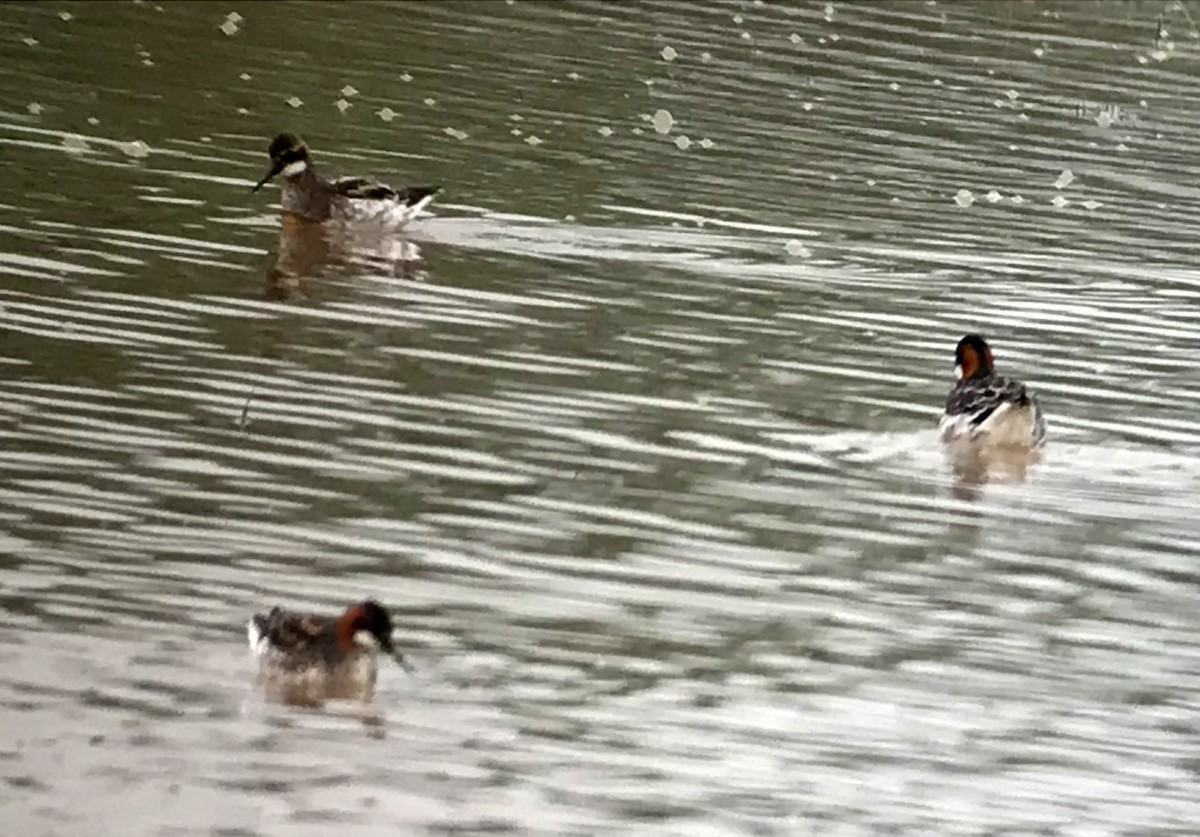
point(292, 639)
point(995, 407)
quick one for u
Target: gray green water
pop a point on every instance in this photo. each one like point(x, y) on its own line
point(636, 441)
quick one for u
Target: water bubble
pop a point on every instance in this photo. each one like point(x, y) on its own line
point(604, 131)
point(1059, 201)
point(706, 143)
point(349, 91)
point(1017, 199)
point(230, 25)
point(295, 101)
point(516, 117)
point(516, 132)
point(573, 76)
point(807, 106)
point(34, 108)
point(245, 76)
point(1064, 180)
point(964, 198)
point(1092, 204)
point(533, 140)
point(829, 13)
point(795, 39)
point(669, 53)
point(683, 143)
point(75, 144)
point(406, 77)
point(1012, 95)
point(993, 196)
point(66, 16)
point(30, 41)
point(91, 120)
point(737, 19)
point(430, 101)
point(894, 86)
point(342, 105)
point(662, 121)
point(386, 114)
point(705, 57)
point(136, 149)
point(1039, 52)
point(797, 248)
point(456, 133)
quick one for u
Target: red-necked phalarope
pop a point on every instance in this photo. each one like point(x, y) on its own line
point(986, 408)
point(351, 200)
point(308, 658)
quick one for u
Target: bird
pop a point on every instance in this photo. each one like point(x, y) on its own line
point(308, 658)
point(984, 408)
point(346, 200)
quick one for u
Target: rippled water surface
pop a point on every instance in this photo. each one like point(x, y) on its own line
point(634, 435)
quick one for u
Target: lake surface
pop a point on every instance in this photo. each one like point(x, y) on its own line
point(634, 435)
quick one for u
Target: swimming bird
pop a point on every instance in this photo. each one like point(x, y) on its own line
point(985, 408)
point(347, 200)
point(308, 658)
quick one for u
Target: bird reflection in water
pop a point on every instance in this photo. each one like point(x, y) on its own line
point(974, 466)
point(307, 254)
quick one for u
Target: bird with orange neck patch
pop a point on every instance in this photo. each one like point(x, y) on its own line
point(307, 658)
point(986, 408)
point(310, 197)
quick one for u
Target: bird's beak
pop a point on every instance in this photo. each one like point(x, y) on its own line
point(404, 664)
point(387, 647)
point(275, 169)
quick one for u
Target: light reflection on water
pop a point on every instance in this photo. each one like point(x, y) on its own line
point(636, 441)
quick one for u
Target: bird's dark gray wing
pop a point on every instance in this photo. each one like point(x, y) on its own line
point(360, 188)
point(288, 631)
point(980, 398)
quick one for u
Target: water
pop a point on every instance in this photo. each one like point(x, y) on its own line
point(635, 436)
